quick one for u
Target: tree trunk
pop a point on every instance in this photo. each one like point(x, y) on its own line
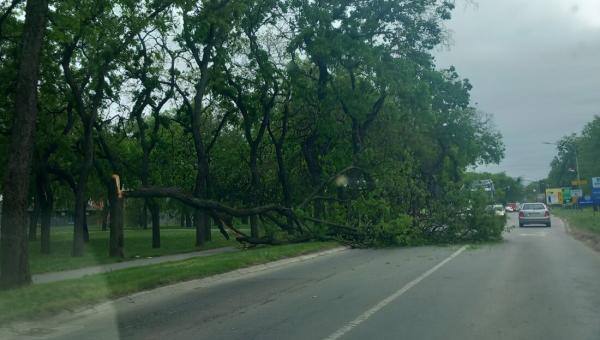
point(79, 220)
point(14, 262)
point(182, 219)
point(144, 216)
point(33, 218)
point(47, 205)
point(254, 227)
point(80, 230)
point(86, 230)
point(283, 179)
point(208, 226)
point(254, 183)
point(115, 198)
point(188, 220)
point(200, 220)
point(200, 191)
point(155, 213)
point(315, 171)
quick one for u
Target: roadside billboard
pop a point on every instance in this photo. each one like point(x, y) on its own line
point(596, 195)
point(554, 196)
point(576, 195)
point(566, 195)
point(596, 182)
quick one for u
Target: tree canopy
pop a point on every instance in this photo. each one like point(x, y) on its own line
point(310, 118)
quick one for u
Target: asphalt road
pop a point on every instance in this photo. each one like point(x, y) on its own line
point(538, 284)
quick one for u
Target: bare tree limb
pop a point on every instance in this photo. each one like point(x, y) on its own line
point(325, 183)
point(204, 204)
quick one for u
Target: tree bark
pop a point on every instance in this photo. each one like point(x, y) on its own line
point(182, 219)
point(202, 59)
point(200, 187)
point(33, 218)
point(144, 216)
point(254, 183)
point(283, 176)
point(282, 173)
point(14, 252)
point(80, 204)
point(188, 220)
point(204, 204)
point(200, 225)
point(315, 171)
point(208, 226)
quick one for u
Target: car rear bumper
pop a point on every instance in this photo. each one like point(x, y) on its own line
point(534, 220)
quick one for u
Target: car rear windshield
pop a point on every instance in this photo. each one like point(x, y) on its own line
point(533, 206)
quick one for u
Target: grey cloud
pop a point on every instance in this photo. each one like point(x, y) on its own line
point(535, 65)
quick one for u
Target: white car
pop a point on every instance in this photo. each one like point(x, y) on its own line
point(499, 209)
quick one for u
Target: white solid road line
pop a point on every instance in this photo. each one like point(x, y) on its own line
point(366, 315)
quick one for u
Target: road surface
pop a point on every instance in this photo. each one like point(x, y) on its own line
point(537, 284)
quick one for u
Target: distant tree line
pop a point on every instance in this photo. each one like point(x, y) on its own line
point(577, 151)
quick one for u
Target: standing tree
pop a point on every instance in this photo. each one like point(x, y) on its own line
point(14, 265)
point(207, 25)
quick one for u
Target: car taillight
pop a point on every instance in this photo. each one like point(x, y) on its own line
point(547, 213)
point(521, 214)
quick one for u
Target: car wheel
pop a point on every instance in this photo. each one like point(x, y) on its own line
point(521, 225)
point(549, 225)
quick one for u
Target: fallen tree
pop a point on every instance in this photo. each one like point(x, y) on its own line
point(223, 214)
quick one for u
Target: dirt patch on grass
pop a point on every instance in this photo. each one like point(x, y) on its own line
point(590, 238)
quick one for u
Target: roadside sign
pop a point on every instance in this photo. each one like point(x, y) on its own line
point(554, 196)
point(580, 182)
point(596, 182)
point(585, 202)
point(577, 193)
point(566, 195)
point(596, 196)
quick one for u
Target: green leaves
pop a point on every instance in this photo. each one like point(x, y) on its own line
point(352, 82)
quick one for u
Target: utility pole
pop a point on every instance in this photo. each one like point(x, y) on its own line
point(577, 166)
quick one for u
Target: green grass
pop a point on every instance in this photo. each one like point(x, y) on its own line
point(580, 218)
point(46, 299)
point(138, 244)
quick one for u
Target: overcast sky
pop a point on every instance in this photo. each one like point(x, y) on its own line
point(535, 66)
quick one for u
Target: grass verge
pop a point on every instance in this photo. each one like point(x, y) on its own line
point(138, 244)
point(42, 300)
point(583, 219)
